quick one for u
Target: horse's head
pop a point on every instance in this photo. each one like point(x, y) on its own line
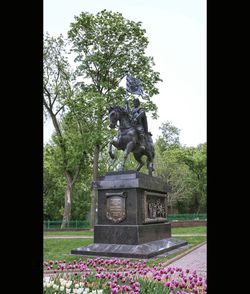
point(113, 116)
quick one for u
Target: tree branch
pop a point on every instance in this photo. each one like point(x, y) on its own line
point(49, 97)
point(60, 108)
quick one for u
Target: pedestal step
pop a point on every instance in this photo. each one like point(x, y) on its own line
point(146, 250)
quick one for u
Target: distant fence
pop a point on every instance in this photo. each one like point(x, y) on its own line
point(187, 216)
point(78, 224)
point(74, 224)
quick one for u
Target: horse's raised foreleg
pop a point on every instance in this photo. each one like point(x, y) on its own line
point(128, 149)
point(110, 149)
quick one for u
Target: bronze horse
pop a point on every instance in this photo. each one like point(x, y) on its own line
point(128, 140)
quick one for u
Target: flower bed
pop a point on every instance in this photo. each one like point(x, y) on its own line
point(101, 276)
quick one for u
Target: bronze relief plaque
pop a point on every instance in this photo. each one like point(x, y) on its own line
point(155, 207)
point(116, 206)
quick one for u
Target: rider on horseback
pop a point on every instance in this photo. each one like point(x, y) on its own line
point(140, 122)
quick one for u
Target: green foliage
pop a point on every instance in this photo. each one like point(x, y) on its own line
point(184, 168)
point(57, 75)
point(105, 44)
point(67, 158)
point(81, 197)
point(195, 159)
point(151, 286)
point(170, 136)
point(175, 174)
point(54, 184)
point(108, 164)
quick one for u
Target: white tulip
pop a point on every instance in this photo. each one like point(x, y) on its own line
point(77, 286)
point(46, 279)
point(68, 284)
point(149, 275)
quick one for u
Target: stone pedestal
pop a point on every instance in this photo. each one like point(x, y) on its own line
point(131, 219)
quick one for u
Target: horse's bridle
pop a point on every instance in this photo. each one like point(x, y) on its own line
point(113, 125)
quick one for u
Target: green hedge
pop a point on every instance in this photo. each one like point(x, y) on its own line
point(187, 216)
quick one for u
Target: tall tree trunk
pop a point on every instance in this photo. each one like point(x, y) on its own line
point(94, 191)
point(67, 200)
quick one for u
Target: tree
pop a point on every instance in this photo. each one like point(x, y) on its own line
point(54, 187)
point(60, 96)
point(184, 168)
point(170, 136)
point(105, 45)
point(175, 173)
point(195, 159)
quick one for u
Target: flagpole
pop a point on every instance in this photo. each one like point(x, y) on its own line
point(126, 96)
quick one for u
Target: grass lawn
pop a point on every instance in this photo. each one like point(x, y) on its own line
point(190, 230)
point(59, 249)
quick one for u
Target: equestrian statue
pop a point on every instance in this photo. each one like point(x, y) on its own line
point(133, 135)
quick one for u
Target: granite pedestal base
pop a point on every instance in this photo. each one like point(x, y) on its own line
point(131, 234)
point(146, 250)
point(132, 217)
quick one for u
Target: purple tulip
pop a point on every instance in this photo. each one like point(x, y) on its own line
point(167, 284)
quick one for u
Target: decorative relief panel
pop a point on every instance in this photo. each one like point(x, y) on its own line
point(155, 207)
point(116, 206)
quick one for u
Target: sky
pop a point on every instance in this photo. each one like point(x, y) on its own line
point(177, 34)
